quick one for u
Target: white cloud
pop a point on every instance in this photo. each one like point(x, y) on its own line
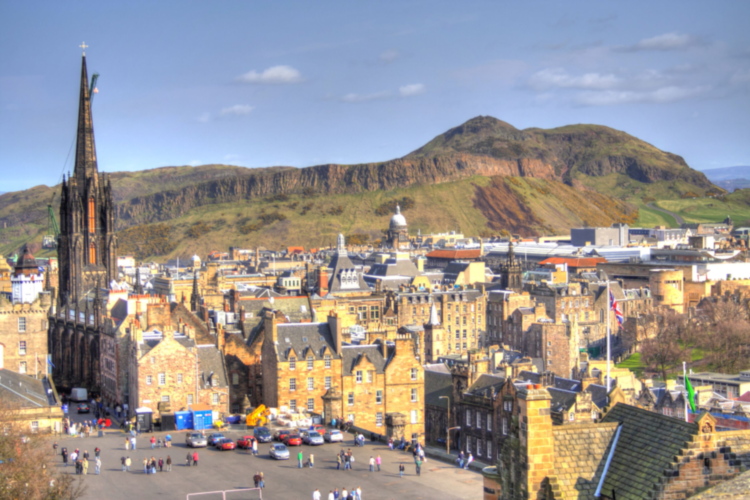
point(661, 95)
point(389, 56)
point(204, 117)
point(274, 75)
point(412, 89)
point(352, 97)
point(237, 110)
point(559, 78)
point(667, 41)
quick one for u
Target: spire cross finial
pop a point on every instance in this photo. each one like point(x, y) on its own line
point(84, 47)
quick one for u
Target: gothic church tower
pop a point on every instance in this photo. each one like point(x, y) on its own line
point(87, 246)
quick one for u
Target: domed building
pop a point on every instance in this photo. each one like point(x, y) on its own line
point(397, 236)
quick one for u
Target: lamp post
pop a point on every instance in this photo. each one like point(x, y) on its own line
point(447, 427)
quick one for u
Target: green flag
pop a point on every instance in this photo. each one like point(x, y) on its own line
point(690, 394)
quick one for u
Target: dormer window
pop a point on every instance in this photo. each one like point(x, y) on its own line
point(310, 362)
point(292, 363)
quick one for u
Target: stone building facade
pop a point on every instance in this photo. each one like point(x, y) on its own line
point(307, 367)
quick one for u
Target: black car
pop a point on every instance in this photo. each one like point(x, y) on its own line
point(262, 434)
point(84, 408)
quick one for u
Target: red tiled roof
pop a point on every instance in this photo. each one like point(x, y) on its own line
point(745, 398)
point(574, 261)
point(468, 253)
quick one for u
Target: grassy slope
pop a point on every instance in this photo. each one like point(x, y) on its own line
point(709, 209)
point(439, 207)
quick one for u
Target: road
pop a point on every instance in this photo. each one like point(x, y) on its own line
point(224, 470)
point(677, 218)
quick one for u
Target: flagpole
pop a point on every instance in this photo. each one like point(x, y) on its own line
point(609, 307)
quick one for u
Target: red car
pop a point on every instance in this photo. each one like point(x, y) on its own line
point(245, 442)
point(281, 434)
point(293, 440)
point(225, 444)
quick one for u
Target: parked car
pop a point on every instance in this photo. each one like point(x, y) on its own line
point(281, 434)
point(195, 440)
point(262, 434)
point(279, 452)
point(293, 440)
point(245, 442)
point(225, 444)
point(84, 408)
point(312, 438)
point(214, 437)
point(334, 436)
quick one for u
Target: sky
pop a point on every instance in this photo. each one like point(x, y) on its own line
point(300, 83)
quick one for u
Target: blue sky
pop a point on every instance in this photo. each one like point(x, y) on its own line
point(258, 83)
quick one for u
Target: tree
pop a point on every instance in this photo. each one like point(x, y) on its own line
point(27, 470)
point(666, 349)
point(727, 338)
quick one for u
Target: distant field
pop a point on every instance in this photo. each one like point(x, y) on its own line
point(648, 217)
point(707, 209)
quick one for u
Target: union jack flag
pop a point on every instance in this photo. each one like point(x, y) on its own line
point(616, 308)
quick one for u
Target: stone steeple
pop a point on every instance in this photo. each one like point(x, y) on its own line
point(87, 246)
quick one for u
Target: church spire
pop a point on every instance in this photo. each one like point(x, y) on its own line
point(85, 163)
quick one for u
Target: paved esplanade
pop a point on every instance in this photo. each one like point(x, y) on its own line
point(224, 470)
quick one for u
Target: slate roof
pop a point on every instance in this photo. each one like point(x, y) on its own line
point(353, 354)
point(436, 384)
point(486, 385)
point(25, 391)
point(341, 264)
point(581, 452)
point(212, 366)
point(149, 342)
point(598, 395)
point(646, 447)
point(304, 339)
point(562, 399)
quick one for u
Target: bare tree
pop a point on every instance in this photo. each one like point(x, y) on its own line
point(28, 471)
point(726, 336)
point(666, 349)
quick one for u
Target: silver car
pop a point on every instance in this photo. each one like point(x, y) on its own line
point(196, 440)
point(279, 451)
point(312, 438)
point(334, 436)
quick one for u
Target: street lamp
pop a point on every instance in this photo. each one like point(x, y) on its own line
point(447, 427)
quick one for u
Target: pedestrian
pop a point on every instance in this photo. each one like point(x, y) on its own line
point(86, 454)
point(359, 493)
point(262, 481)
point(469, 460)
point(390, 444)
point(159, 443)
point(316, 494)
point(195, 458)
point(330, 495)
point(145, 465)
point(64, 453)
point(153, 442)
point(169, 463)
point(255, 447)
point(161, 464)
point(74, 456)
point(85, 466)
point(344, 494)
point(97, 451)
point(256, 479)
point(378, 462)
point(401, 470)
point(122, 461)
point(153, 465)
point(460, 459)
point(336, 494)
point(54, 448)
point(418, 463)
point(300, 457)
point(128, 462)
point(127, 444)
point(132, 443)
point(372, 464)
point(168, 441)
point(338, 461)
point(189, 459)
point(98, 466)
point(311, 461)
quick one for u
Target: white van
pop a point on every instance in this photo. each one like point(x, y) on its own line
point(79, 394)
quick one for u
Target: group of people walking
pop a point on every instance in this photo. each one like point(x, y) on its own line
point(344, 494)
point(81, 461)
